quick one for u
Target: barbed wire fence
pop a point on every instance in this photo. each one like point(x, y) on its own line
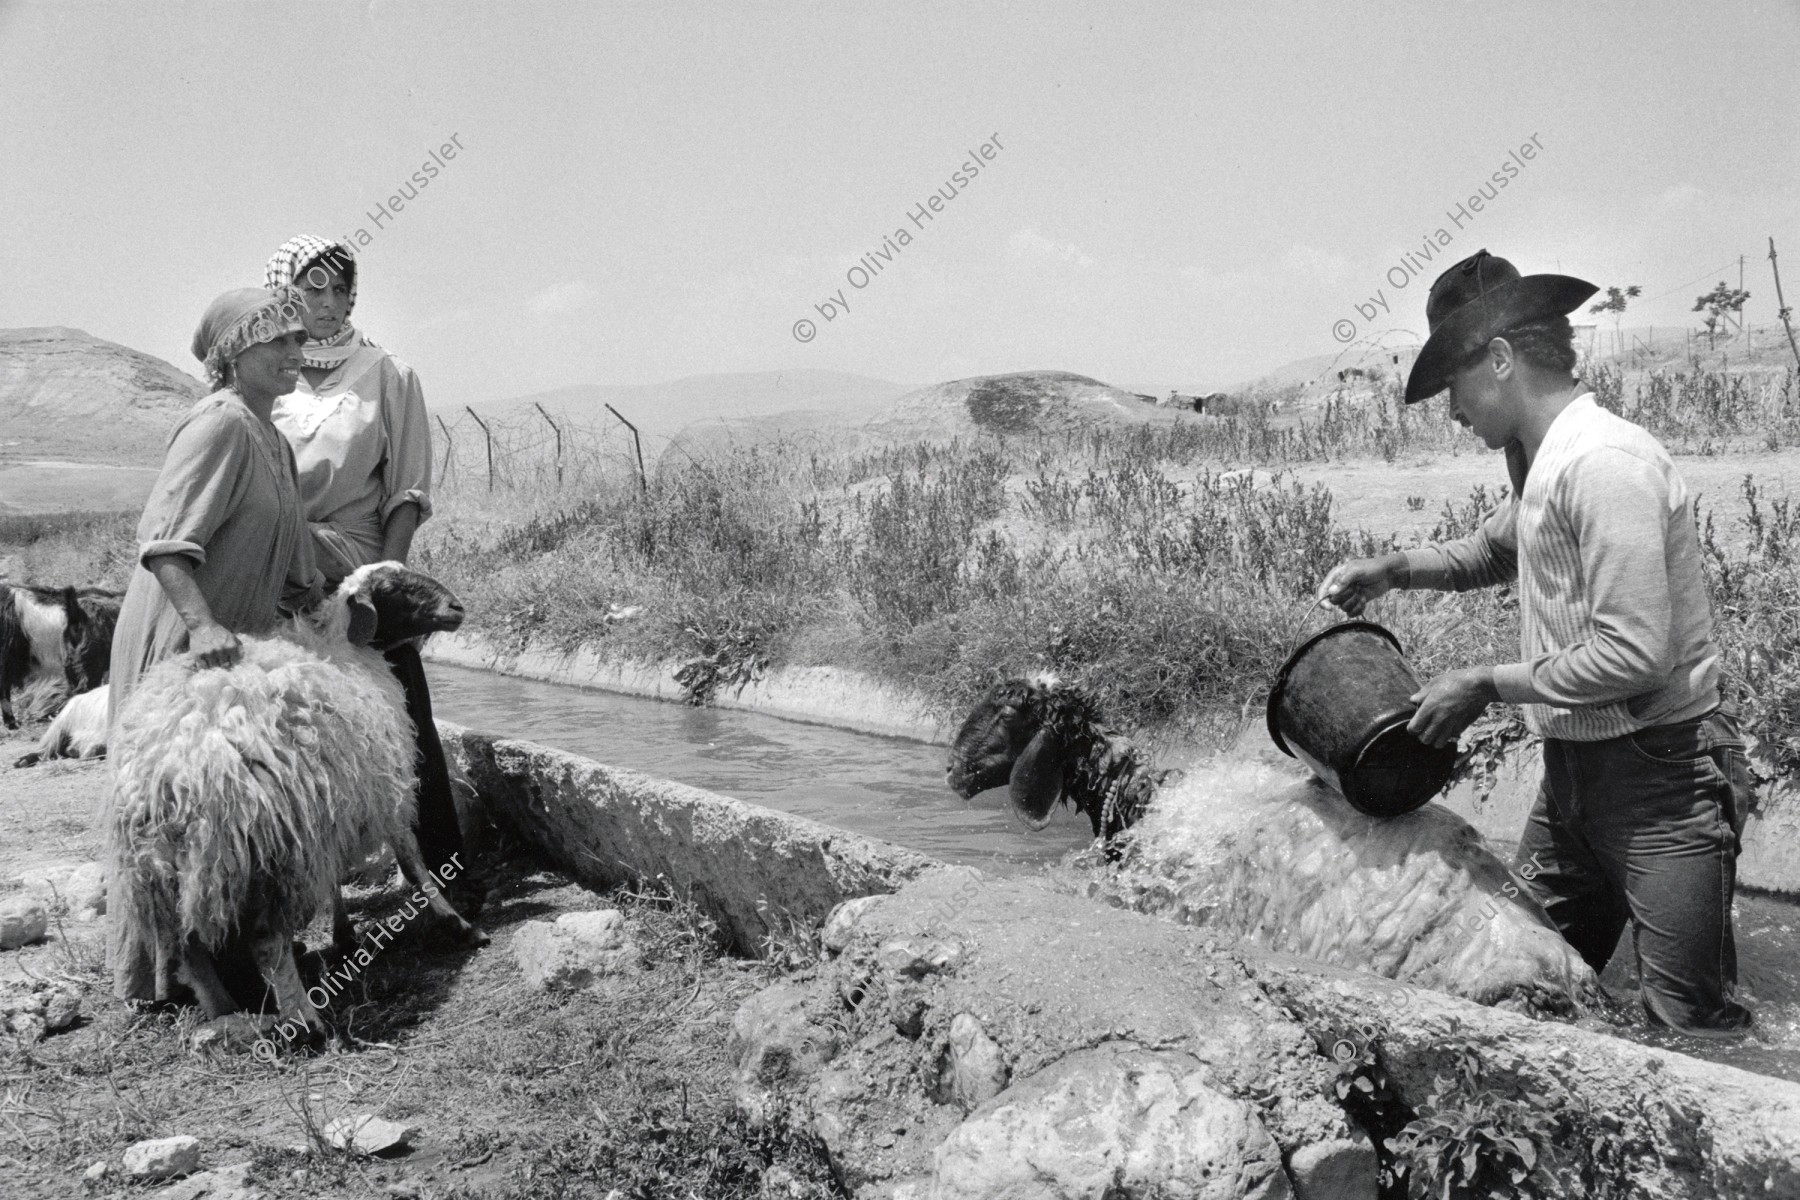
point(533, 450)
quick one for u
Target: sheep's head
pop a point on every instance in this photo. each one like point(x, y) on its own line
point(386, 603)
point(1006, 739)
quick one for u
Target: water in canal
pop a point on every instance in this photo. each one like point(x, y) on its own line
point(894, 789)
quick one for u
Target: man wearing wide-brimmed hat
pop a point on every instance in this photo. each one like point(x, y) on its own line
point(1645, 784)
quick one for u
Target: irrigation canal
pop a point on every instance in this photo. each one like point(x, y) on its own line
point(894, 789)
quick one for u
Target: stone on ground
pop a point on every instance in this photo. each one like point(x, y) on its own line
point(162, 1158)
point(577, 950)
point(35, 1008)
point(220, 1183)
point(367, 1134)
point(23, 920)
point(1113, 1121)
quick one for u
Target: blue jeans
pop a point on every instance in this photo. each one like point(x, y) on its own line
point(1644, 829)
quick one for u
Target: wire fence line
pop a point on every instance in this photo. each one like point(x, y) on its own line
point(530, 449)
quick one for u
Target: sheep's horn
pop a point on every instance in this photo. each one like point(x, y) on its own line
point(1037, 780)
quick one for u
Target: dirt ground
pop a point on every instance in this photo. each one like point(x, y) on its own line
point(513, 1092)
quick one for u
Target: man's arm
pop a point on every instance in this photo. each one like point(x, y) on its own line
point(1488, 556)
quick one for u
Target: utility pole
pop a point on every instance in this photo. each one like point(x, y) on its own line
point(1740, 315)
point(1786, 312)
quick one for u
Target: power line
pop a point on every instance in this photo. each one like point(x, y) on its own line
point(1708, 274)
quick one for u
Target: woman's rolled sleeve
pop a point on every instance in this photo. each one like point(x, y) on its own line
point(197, 489)
point(406, 472)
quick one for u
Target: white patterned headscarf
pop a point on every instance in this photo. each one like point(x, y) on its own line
point(288, 268)
point(240, 319)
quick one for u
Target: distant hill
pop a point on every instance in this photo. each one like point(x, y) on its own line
point(1025, 402)
point(660, 410)
point(67, 395)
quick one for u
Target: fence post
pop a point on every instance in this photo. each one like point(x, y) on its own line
point(449, 445)
point(1786, 313)
point(558, 431)
point(489, 434)
point(643, 480)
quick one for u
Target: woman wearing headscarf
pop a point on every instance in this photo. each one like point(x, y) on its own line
point(360, 433)
point(223, 548)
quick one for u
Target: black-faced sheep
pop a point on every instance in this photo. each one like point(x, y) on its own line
point(1263, 853)
point(245, 793)
point(1047, 742)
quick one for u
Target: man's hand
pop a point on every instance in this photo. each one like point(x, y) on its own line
point(1450, 703)
point(1352, 585)
point(213, 645)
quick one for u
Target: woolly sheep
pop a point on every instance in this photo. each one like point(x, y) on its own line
point(245, 793)
point(1259, 852)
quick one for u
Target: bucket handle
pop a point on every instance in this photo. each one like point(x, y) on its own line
point(1296, 631)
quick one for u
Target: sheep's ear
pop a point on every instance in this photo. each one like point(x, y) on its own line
point(362, 621)
point(1037, 780)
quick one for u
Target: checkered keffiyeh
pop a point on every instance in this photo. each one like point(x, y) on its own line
point(288, 267)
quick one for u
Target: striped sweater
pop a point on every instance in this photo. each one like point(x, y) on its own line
point(1615, 625)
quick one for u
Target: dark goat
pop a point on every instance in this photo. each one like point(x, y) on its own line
point(1045, 739)
point(34, 622)
point(88, 639)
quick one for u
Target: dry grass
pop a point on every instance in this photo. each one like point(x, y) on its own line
point(515, 1093)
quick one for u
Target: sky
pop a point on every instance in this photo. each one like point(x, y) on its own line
point(1179, 195)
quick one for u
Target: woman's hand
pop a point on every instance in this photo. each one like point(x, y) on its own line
point(1353, 585)
point(213, 645)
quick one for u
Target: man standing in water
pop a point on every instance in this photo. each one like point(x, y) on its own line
point(1645, 785)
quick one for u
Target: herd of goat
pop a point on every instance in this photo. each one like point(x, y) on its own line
point(243, 796)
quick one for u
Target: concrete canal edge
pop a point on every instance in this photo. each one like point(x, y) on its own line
point(1676, 1126)
point(752, 869)
point(814, 695)
point(846, 700)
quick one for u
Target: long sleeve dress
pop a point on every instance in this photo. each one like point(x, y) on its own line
point(228, 500)
point(363, 446)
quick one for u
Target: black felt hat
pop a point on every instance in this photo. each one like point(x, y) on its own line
point(1479, 297)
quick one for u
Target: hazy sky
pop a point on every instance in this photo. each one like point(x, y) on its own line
point(1184, 194)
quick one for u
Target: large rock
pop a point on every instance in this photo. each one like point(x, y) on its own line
point(956, 991)
point(23, 920)
point(751, 869)
point(1117, 1121)
point(162, 1158)
point(577, 950)
point(776, 1043)
point(79, 887)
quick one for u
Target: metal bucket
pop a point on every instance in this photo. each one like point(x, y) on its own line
point(1341, 705)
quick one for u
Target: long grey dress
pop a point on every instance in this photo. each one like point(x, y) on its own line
point(228, 500)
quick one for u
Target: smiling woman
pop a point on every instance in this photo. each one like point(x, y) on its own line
point(222, 535)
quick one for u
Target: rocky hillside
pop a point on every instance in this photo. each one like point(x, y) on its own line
point(1031, 403)
point(1024, 402)
point(67, 395)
